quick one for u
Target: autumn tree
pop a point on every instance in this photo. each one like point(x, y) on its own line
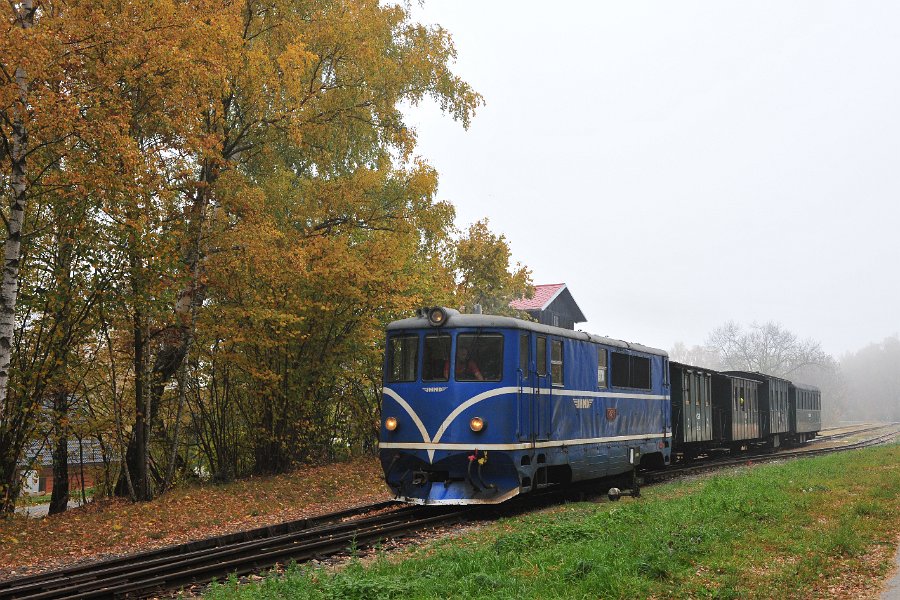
point(223, 213)
point(484, 273)
point(57, 136)
point(305, 97)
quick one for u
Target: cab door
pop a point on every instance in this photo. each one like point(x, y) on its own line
point(534, 385)
point(526, 376)
point(542, 388)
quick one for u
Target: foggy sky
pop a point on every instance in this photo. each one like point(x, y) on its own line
point(679, 164)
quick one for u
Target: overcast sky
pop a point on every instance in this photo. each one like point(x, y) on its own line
point(680, 164)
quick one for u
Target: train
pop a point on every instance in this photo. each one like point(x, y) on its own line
point(477, 408)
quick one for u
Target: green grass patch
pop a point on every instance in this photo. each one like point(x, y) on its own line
point(45, 498)
point(774, 531)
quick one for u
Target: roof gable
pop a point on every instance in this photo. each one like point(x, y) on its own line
point(556, 295)
point(543, 296)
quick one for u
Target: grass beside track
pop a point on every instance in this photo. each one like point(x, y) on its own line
point(819, 527)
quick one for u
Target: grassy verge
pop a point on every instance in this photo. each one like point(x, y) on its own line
point(821, 527)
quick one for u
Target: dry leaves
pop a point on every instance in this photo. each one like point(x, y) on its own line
point(116, 526)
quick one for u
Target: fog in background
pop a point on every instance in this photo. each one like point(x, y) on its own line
point(858, 386)
point(682, 165)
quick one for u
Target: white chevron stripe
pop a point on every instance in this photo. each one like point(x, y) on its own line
point(431, 445)
point(409, 409)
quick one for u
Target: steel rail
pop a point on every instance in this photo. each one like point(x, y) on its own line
point(760, 457)
point(241, 553)
point(13, 588)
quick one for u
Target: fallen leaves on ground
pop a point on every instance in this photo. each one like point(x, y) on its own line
point(116, 526)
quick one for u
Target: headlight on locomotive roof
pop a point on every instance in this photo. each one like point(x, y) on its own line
point(390, 423)
point(437, 316)
point(476, 424)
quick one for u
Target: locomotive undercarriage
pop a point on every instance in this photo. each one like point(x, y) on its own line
point(479, 477)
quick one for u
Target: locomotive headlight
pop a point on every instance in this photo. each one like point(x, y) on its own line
point(390, 423)
point(437, 316)
point(476, 424)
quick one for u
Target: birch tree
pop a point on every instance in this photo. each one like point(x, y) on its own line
point(16, 148)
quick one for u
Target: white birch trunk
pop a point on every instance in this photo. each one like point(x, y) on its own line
point(12, 247)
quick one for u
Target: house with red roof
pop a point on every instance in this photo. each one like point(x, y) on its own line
point(552, 304)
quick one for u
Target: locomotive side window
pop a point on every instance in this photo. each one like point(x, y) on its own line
point(601, 368)
point(640, 372)
point(479, 357)
point(541, 357)
point(620, 369)
point(630, 371)
point(404, 356)
point(556, 361)
point(523, 355)
point(436, 358)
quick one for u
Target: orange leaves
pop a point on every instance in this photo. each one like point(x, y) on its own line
point(112, 526)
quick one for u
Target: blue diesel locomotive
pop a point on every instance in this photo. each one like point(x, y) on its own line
point(479, 408)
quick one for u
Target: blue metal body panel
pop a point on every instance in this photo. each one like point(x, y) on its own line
point(536, 432)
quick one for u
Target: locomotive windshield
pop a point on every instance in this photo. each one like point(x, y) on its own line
point(403, 356)
point(436, 362)
point(479, 357)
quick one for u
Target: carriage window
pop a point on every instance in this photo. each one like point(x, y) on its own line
point(556, 361)
point(687, 387)
point(541, 357)
point(479, 357)
point(523, 355)
point(601, 368)
point(436, 358)
point(403, 356)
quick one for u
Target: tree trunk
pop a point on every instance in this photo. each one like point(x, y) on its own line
point(136, 468)
point(12, 248)
point(59, 498)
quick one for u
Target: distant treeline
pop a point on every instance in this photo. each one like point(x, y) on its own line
point(859, 386)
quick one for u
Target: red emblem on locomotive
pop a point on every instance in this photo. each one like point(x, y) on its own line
point(611, 414)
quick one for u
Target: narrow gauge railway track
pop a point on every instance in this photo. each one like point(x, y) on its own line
point(650, 477)
point(824, 436)
point(200, 562)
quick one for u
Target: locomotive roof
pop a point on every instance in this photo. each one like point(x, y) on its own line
point(455, 319)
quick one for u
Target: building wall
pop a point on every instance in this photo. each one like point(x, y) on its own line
point(40, 482)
